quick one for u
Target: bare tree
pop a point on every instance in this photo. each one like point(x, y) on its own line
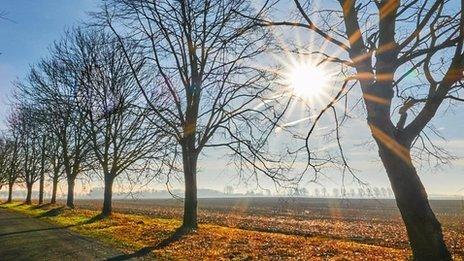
point(43, 160)
point(122, 136)
point(52, 84)
point(30, 153)
point(383, 43)
point(202, 53)
point(54, 156)
point(3, 162)
point(12, 167)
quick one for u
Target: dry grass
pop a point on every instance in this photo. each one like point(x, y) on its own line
point(132, 232)
point(364, 221)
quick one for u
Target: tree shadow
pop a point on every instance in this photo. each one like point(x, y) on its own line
point(2, 219)
point(52, 212)
point(177, 235)
point(46, 205)
point(34, 230)
point(94, 219)
point(6, 203)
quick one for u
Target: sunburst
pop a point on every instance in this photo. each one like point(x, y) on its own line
point(307, 80)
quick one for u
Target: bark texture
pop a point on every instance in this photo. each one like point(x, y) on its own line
point(29, 194)
point(190, 203)
point(41, 188)
point(70, 196)
point(54, 189)
point(423, 228)
point(10, 192)
point(108, 196)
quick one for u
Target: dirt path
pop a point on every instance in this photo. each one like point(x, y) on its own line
point(27, 238)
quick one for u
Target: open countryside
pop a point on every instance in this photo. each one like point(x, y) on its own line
point(232, 130)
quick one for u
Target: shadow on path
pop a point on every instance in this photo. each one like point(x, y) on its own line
point(23, 237)
point(177, 235)
point(12, 219)
point(34, 230)
point(51, 213)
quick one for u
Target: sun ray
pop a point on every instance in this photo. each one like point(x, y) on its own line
point(307, 80)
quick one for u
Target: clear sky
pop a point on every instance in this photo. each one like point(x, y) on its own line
point(33, 25)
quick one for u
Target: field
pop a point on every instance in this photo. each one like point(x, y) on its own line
point(365, 221)
point(253, 228)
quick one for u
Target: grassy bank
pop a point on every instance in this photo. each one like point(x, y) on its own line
point(139, 234)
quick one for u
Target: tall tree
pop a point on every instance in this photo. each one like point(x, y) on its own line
point(384, 42)
point(13, 160)
point(203, 55)
point(30, 153)
point(54, 157)
point(53, 85)
point(43, 150)
point(3, 162)
point(122, 136)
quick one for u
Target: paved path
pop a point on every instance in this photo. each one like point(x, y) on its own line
point(27, 238)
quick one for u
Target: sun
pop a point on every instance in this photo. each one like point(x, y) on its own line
point(307, 80)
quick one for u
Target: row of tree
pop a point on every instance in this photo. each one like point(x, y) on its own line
point(149, 101)
point(79, 111)
point(148, 85)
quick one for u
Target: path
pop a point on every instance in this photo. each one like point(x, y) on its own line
point(27, 238)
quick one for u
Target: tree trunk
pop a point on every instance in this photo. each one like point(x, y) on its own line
point(10, 192)
point(41, 188)
point(70, 196)
point(54, 189)
point(423, 228)
point(29, 194)
point(190, 203)
point(107, 200)
point(42, 172)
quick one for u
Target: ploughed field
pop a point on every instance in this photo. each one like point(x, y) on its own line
point(368, 221)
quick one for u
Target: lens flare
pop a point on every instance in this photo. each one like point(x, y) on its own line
point(307, 80)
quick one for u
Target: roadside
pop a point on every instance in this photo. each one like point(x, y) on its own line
point(25, 238)
point(141, 236)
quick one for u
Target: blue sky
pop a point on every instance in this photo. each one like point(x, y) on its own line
point(31, 27)
point(34, 24)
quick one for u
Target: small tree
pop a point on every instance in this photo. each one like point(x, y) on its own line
point(229, 190)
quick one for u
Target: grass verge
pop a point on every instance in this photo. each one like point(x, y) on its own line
point(133, 233)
